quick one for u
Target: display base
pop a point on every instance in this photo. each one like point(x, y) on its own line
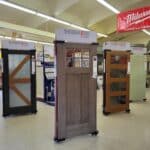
point(105, 113)
point(128, 110)
point(95, 133)
point(50, 103)
point(57, 140)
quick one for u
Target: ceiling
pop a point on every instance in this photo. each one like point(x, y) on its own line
point(86, 13)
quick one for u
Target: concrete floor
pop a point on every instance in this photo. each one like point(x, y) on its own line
point(120, 131)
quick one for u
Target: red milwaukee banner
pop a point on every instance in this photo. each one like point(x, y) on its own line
point(136, 19)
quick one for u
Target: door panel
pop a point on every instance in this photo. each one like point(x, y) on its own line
point(84, 98)
point(73, 99)
point(19, 80)
point(76, 90)
point(116, 81)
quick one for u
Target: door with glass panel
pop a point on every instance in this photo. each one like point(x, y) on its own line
point(18, 82)
point(75, 90)
point(116, 81)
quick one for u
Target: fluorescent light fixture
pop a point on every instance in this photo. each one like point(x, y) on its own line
point(3, 2)
point(17, 7)
point(79, 27)
point(107, 5)
point(102, 35)
point(145, 31)
point(53, 19)
point(25, 40)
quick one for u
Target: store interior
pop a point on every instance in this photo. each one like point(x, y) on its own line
point(69, 79)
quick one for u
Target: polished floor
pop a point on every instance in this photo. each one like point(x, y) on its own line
point(120, 131)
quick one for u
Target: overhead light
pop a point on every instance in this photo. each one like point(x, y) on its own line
point(102, 35)
point(52, 19)
point(145, 31)
point(17, 7)
point(107, 5)
point(25, 40)
point(46, 16)
point(79, 27)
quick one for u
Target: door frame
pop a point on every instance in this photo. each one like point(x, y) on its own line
point(7, 110)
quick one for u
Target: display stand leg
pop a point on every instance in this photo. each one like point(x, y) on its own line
point(95, 133)
point(59, 140)
point(128, 110)
point(106, 113)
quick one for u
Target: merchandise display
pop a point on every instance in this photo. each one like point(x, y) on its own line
point(19, 78)
point(75, 90)
point(116, 81)
point(49, 74)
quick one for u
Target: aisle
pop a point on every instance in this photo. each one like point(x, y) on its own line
point(119, 131)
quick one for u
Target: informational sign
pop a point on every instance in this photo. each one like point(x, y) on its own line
point(17, 45)
point(138, 50)
point(121, 46)
point(94, 66)
point(48, 53)
point(76, 36)
point(129, 68)
point(132, 20)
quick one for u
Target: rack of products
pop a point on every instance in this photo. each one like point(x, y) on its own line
point(49, 74)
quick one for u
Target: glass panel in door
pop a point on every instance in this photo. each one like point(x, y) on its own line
point(19, 80)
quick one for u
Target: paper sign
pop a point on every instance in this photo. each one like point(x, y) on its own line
point(17, 45)
point(138, 50)
point(94, 66)
point(33, 65)
point(121, 46)
point(129, 68)
point(76, 36)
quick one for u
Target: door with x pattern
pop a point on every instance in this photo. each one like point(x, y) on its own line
point(18, 82)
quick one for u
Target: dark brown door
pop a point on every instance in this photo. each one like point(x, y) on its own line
point(19, 94)
point(76, 90)
point(116, 81)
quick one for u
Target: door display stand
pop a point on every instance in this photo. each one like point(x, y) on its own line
point(19, 81)
point(116, 81)
point(75, 110)
point(138, 78)
point(49, 82)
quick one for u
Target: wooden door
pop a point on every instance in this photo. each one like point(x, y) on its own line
point(18, 82)
point(116, 81)
point(76, 90)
